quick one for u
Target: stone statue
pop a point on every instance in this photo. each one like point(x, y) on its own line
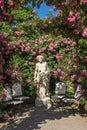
point(42, 78)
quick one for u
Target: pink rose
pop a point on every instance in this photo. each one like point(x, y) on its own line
point(22, 32)
point(75, 31)
point(84, 1)
point(59, 57)
point(11, 3)
point(73, 77)
point(3, 96)
point(84, 72)
point(74, 3)
point(28, 81)
point(55, 74)
point(1, 4)
point(71, 13)
point(84, 32)
point(23, 23)
point(85, 58)
point(71, 19)
point(18, 33)
point(75, 58)
point(31, 15)
point(62, 6)
point(6, 116)
point(51, 49)
point(73, 44)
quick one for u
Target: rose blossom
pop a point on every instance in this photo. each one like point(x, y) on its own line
point(55, 74)
point(71, 18)
point(59, 57)
point(84, 72)
point(1, 4)
point(3, 96)
point(18, 33)
point(74, 3)
point(76, 31)
point(84, 32)
point(84, 1)
point(62, 6)
point(73, 44)
point(6, 116)
point(73, 77)
point(85, 58)
point(11, 3)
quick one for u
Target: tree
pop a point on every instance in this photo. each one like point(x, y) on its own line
point(6, 6)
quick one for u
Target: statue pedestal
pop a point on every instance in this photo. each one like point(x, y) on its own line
point(44, 102)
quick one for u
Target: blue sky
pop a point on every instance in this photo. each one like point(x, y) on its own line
point(44, 10)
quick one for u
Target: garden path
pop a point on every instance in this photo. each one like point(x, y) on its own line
point(59, 117)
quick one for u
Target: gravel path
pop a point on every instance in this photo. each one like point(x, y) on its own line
point(56, 118)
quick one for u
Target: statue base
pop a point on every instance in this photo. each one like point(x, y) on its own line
point(44, 102)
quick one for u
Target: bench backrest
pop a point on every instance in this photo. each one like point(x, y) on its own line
point(60, 88)
point(17, 90)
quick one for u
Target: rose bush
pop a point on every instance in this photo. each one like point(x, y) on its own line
point(61, 39)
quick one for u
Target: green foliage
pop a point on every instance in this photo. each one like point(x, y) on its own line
point(4, 27)
point(54, 37)
point(84, 102)
point(22, 14)
point(70, 92)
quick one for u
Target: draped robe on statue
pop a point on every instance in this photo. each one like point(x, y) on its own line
point(42, 77)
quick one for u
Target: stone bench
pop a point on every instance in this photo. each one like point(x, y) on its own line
point(60, 93)
point(14, 95)
point(17, 93)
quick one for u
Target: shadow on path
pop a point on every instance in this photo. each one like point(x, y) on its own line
point(31, 118)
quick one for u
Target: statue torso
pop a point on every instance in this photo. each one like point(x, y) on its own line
point(41, 67)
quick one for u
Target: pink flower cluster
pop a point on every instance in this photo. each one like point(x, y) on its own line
point(28, 81)
point(11, 3)
point(1, 4)
point(3, 96)
point(8, 71)
point(75, 58)
point(18, 33)
point(6, 116)
point(73, 77)
point(51, 47)
point(44, 26)
point(76, 31)
point(63, 75)
point(85, 58)
point(71, 18)
point(59, 56)
point(61, 6)
point(84, 72)
point(84, 1)
point(55, 74)
point(84, 32)
point(73, 3)
point(23, 23)
point(73, 43)
point(59, 73)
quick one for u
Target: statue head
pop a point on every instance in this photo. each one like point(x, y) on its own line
point(40, 58)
